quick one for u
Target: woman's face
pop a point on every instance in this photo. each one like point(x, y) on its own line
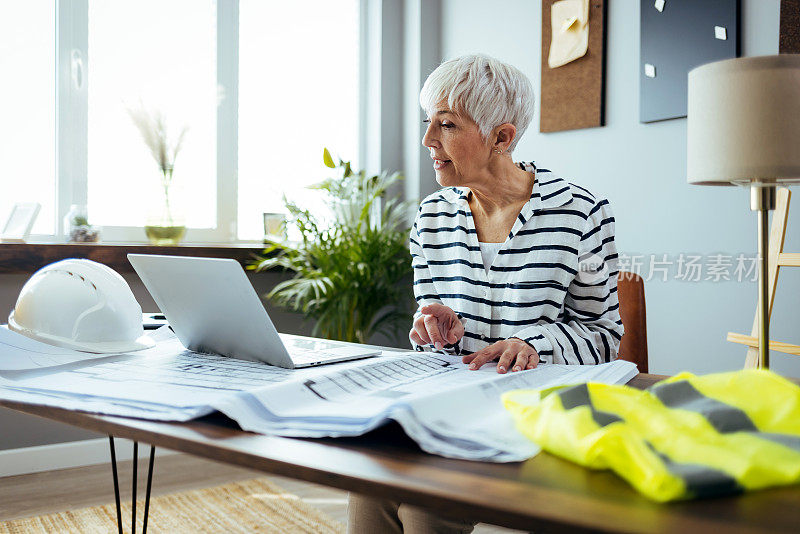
point(460, 155)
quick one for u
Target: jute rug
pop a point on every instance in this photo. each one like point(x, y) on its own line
point(249, 506)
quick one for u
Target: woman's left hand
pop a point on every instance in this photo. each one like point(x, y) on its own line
point(511, 351)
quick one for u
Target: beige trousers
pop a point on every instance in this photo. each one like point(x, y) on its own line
point(366, 515)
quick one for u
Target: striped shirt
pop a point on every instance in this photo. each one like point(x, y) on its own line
point(553, 283)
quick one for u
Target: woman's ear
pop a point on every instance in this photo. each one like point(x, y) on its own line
point(503, 137)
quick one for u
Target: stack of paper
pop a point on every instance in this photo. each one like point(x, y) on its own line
point(446, 408)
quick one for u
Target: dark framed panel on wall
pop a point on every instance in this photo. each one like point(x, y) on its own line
point(675, 37)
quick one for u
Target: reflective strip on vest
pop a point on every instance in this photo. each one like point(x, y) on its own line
point(685, 437)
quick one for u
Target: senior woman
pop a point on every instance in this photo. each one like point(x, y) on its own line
point(511, 263)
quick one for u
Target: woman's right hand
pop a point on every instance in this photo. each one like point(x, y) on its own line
point(438, 325)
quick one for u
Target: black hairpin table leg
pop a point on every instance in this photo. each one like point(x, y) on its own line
point(133, 486)
point(149, 485)
point(116, 482)
point(133, 489)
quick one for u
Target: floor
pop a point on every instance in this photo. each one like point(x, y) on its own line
point(67, 489)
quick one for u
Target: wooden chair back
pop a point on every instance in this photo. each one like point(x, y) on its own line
point(630, 292)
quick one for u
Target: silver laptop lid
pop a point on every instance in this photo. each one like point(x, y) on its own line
point(212, 307)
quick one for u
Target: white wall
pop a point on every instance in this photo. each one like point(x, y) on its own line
point(641, 169)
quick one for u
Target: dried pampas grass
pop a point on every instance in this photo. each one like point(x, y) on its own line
point(153, 127)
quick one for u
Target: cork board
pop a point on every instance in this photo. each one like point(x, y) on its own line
point(572, 96)
point(789, 40)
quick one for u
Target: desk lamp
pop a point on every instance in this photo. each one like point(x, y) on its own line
point(743, 128)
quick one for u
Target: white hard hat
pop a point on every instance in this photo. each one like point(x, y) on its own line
point(82, 305)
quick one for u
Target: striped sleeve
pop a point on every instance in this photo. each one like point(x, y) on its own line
point(424, 290)
point(589, 328)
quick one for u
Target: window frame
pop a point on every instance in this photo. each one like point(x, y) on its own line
point(72, 107)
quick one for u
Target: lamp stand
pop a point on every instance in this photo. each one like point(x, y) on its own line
point(762, 200)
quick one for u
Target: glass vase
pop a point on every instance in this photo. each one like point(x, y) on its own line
point(165, 224)
point(77, 228)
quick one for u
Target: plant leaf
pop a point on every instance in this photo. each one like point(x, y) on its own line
point(327, 159)
point(352, 276)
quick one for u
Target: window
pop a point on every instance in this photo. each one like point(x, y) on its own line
point(298, 93)
point(27, 109)
point(261, 85)
point(141, 57)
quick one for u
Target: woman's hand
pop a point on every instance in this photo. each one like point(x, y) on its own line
point(510, 351)
point(438, 325)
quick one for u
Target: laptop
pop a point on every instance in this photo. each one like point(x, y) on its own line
point(212, 307)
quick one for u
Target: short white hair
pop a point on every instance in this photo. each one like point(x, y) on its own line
point(489, 91)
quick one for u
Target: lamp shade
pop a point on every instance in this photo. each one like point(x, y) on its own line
point(744, 121)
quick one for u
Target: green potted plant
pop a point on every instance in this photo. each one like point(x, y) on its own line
point(353, 275)
point(77, 226)
point(164, 224)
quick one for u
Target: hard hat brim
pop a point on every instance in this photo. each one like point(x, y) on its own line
point(102, 347)
point(113, 347)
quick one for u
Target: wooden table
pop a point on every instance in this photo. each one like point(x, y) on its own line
point(542, 494)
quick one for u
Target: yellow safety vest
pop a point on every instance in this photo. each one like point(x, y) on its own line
point(688, 436)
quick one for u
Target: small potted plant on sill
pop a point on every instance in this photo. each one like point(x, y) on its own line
point(353, 277)
point(164, 224)
point(78, 228)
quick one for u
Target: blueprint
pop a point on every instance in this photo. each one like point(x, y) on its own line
point(445, 407)
point(22, 353)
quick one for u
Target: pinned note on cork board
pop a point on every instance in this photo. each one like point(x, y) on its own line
point(573, 64)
